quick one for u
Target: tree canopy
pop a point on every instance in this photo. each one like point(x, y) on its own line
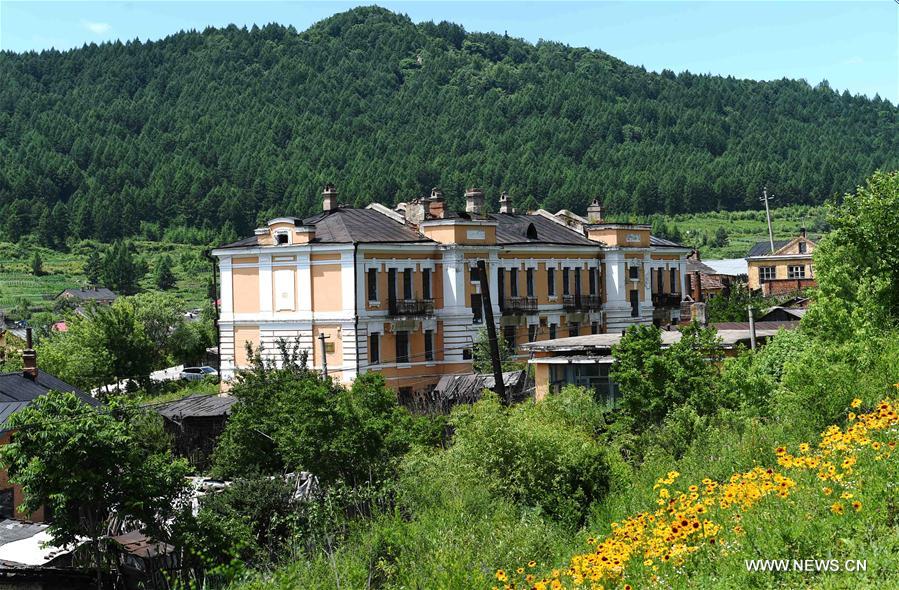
point(200, 135)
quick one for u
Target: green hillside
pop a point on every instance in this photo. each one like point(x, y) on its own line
point(212, 130)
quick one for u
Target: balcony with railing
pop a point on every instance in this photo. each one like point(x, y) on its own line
point(411, 307)
point(571, 302)
point(591, 302)
point(519, 305)
point(666, 299)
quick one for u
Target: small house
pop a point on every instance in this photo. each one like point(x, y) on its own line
point(195, 424)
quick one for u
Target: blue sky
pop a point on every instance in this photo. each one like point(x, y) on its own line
point(852, 44)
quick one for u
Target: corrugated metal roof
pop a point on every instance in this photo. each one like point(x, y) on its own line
point(729, 266)
point(456, 389)
point(197, 406)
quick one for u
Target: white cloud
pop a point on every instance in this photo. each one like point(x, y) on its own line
point(96, 28)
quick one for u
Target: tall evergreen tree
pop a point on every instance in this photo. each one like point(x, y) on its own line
point(163, 277)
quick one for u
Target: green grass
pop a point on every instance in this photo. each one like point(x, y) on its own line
point(745, 228)
point(63, 270)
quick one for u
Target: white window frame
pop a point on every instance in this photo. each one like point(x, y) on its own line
point(796, 271)
point(763, 273)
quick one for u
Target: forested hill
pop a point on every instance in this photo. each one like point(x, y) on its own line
point(216, 129)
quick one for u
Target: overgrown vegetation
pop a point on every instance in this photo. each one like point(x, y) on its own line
point(539, 486)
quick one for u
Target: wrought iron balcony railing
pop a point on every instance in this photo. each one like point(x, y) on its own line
point(666, 299)
point(519, 305)
point(411, 307)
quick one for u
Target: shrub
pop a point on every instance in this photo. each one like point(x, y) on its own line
point(538, 457)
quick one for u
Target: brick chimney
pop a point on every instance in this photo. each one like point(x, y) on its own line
point(474, 201)
point(329, 198)
point(29, 357)
point(594, 212)
point(436, 204)
point(802, 232)
point(696, 286)
point(505, 203)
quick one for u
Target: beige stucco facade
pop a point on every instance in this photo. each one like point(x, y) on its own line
point(292, 285)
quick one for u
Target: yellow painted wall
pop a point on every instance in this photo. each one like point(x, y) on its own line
point(781, 269)
point(242, 335)
point(335, 358)
point(617, 236)
point(458, 233)
point(245, 290)
point(327, 294)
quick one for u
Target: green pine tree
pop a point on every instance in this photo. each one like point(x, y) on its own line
point(37, 265)
point(163, 276)
point(93, 268)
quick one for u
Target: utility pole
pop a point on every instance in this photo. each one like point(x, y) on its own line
point(491, 333)
point(322, 337)
point(766, 198)
point(751, 328)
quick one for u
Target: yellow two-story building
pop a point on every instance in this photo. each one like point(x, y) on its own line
point(397, 290)
point(785, 268)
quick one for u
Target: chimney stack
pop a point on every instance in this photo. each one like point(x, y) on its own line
point(505, 203)
point(698, 314)
point(416, 211)
point(474, 201)
point(29, 357)
point(594, 212)
point(329, 198)
point(436, 204)
point(802, 232)
point(696, 285)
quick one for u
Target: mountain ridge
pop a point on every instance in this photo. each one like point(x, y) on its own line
point(221, 128)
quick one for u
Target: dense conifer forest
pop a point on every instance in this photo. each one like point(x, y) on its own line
point(197, 136)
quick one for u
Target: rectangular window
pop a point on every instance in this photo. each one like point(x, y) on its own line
point(592, 280)
point(802, 248)
point(402, 347)
point(391, 289)
point(429, 345)
point(766, 273)
point(796, 272)
point(475, 274)
point(565, 286)
point(372, 284)
point(551, 282)
point(577, 283)
point(509, 333)
point(500, 285)
point(513, 282)
point(552, 331)
point(634, 273)
point(529, 279)
point(374, 349)
point(426, 283)
point(477, 308)
point(660, 281)
point(573, 328)
point(532, 332)
point(673, 279)
point(594, 328)
point(635, 303)
point(407, 283)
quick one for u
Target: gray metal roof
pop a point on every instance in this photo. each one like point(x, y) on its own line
point(729, 338)
point(729, 266)
point(15, 530)
point(89, 294)
point(197, 406)
point(513, 228)
point(662, 242)
point(18, 391)
point(349, 225)
point(764, 248)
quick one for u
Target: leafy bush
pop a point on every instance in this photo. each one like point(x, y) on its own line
point(538, 457)
point(292, 419)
